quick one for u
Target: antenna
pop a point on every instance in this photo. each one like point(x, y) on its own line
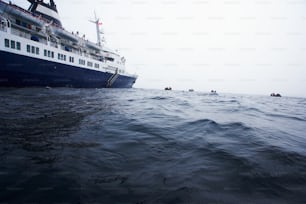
point(97, 23)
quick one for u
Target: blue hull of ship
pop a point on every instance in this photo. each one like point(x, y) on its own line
point(22, 71)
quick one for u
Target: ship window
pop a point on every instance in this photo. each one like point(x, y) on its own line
point(12, 44)
point(28, 48)
point(49, 53)
point(18, 45)
point(18, 22)
point(109, 59)
point(37, 50)
point(45, 53)
point(52, 54)
point(89, 64)
point(7, 43)
point(24, 24)
point(81, 61)
point(97, 66)
point(61, 57)
point(71, 59)
point(33, 49)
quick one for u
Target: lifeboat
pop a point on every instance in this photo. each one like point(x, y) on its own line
point(92, 45)
point(275, 95)
point(20, 13)
point(64, 34)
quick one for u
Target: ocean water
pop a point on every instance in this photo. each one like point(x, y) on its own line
point(150, 146)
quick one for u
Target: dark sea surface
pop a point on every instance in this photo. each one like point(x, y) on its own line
point(150, 146)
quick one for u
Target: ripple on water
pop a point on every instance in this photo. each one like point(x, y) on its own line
point(140, 146)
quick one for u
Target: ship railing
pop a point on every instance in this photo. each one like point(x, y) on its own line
point(26, 35)
point(52, 44)
point(111, 68)
point(20, 33)
point(42, 40)
point(38, 17)
point(20, 9)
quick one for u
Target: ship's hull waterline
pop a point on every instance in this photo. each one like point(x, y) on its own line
point(22, 71)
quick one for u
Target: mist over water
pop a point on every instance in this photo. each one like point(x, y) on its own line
point(150, 146)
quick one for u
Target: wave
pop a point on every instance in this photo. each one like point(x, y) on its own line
point(159, 98)
point(214, 126)
point(274, 115)
point(232, 101)
point(151, 147)
point(283, 156)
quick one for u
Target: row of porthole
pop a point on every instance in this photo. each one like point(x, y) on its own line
point(12, 44)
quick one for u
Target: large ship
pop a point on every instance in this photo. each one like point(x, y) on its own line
point(35, 50)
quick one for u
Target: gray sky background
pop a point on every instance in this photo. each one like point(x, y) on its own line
point(249, 46)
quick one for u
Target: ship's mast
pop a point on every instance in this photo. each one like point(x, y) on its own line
point(99, 32)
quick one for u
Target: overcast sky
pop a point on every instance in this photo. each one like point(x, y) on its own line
point(246, 46)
